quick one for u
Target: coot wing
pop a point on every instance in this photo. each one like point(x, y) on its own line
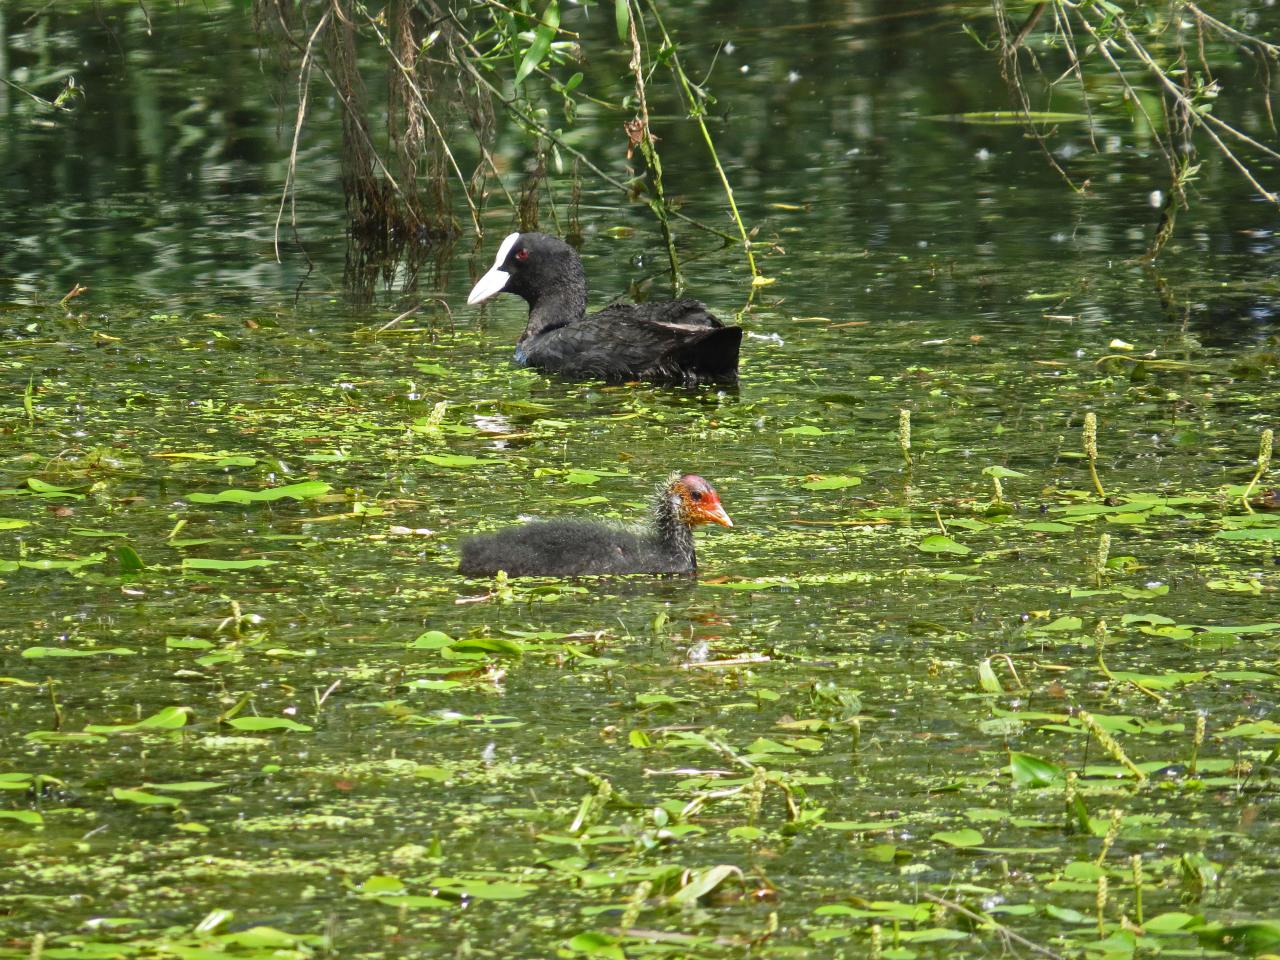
point(677, 341)
point(692, 313)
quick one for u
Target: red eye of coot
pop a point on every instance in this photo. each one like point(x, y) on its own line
point(522, 254)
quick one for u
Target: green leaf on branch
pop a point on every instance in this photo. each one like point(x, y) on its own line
point(622, 15)
point(542, 38)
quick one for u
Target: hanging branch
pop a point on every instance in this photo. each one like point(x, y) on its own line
point(288, 193)
point(641, 136)
point(697, 111)
point(412, 86)
point(511, 106)
point(1185, 105)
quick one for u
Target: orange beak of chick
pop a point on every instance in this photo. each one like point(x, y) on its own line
point(708, 510)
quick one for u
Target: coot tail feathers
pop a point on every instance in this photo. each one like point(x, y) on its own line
point(714, 354)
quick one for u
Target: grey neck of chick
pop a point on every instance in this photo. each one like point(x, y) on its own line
point(563, 299)
point(673, 532)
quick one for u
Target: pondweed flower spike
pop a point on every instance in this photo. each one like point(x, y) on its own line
point(755, 793)
point(1100, 558)
point(1195, 744)
point(1109, 744)
point(904, 435)
point(502, 590)
point(635, 904)
point(1264, 461)
point(1100, 645)
point(1135, 862)
point(1113, 831)
point(1101, 903)
point(1091, 449)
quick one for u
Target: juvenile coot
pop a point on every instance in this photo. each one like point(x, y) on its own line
point(673, 341)
point(568, 548)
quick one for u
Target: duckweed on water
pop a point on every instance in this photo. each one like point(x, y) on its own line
point(898, 713)
point(956, 682)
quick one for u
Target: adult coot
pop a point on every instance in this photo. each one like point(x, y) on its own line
point(674, 341)
point(567, 548)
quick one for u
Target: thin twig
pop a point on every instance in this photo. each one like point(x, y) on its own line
point(1012, 73)
point(304, 78)
point(696, 110)
point(999, 927)
point(348, 106)
point(1232, 32)
point(647, 149)
point(1204, 121)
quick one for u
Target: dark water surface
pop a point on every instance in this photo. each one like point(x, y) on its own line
point(496, 770)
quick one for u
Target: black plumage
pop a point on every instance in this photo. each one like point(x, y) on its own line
point(675, 341)
point(567, 548)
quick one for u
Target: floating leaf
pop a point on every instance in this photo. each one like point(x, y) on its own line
point(1047, 526)
point(187, 643)
point(959, 838)
point(258, 724)
point(130, 562)
point(491, 645)
point(144, 798)
point(307, 490)
point(51, 564)
point(1250, 533)
point(1170, 922)
point(206, 563)
point(36, 653)
point(51, 491)
point(1029, 771)
point(483, 889)
point(170, 718)
point(595, 944)
point(1014, 118)
point(702, 882)
point(431, 640)
point(764, 745)
point(836, 482)
point(22, 816)
point(940, 543)
point(1160, 681)
point(436, 686)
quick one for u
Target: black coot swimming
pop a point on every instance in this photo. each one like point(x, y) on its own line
point(676, 341)
point(568, 548)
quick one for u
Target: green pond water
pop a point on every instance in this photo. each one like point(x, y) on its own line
point(884, 687)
